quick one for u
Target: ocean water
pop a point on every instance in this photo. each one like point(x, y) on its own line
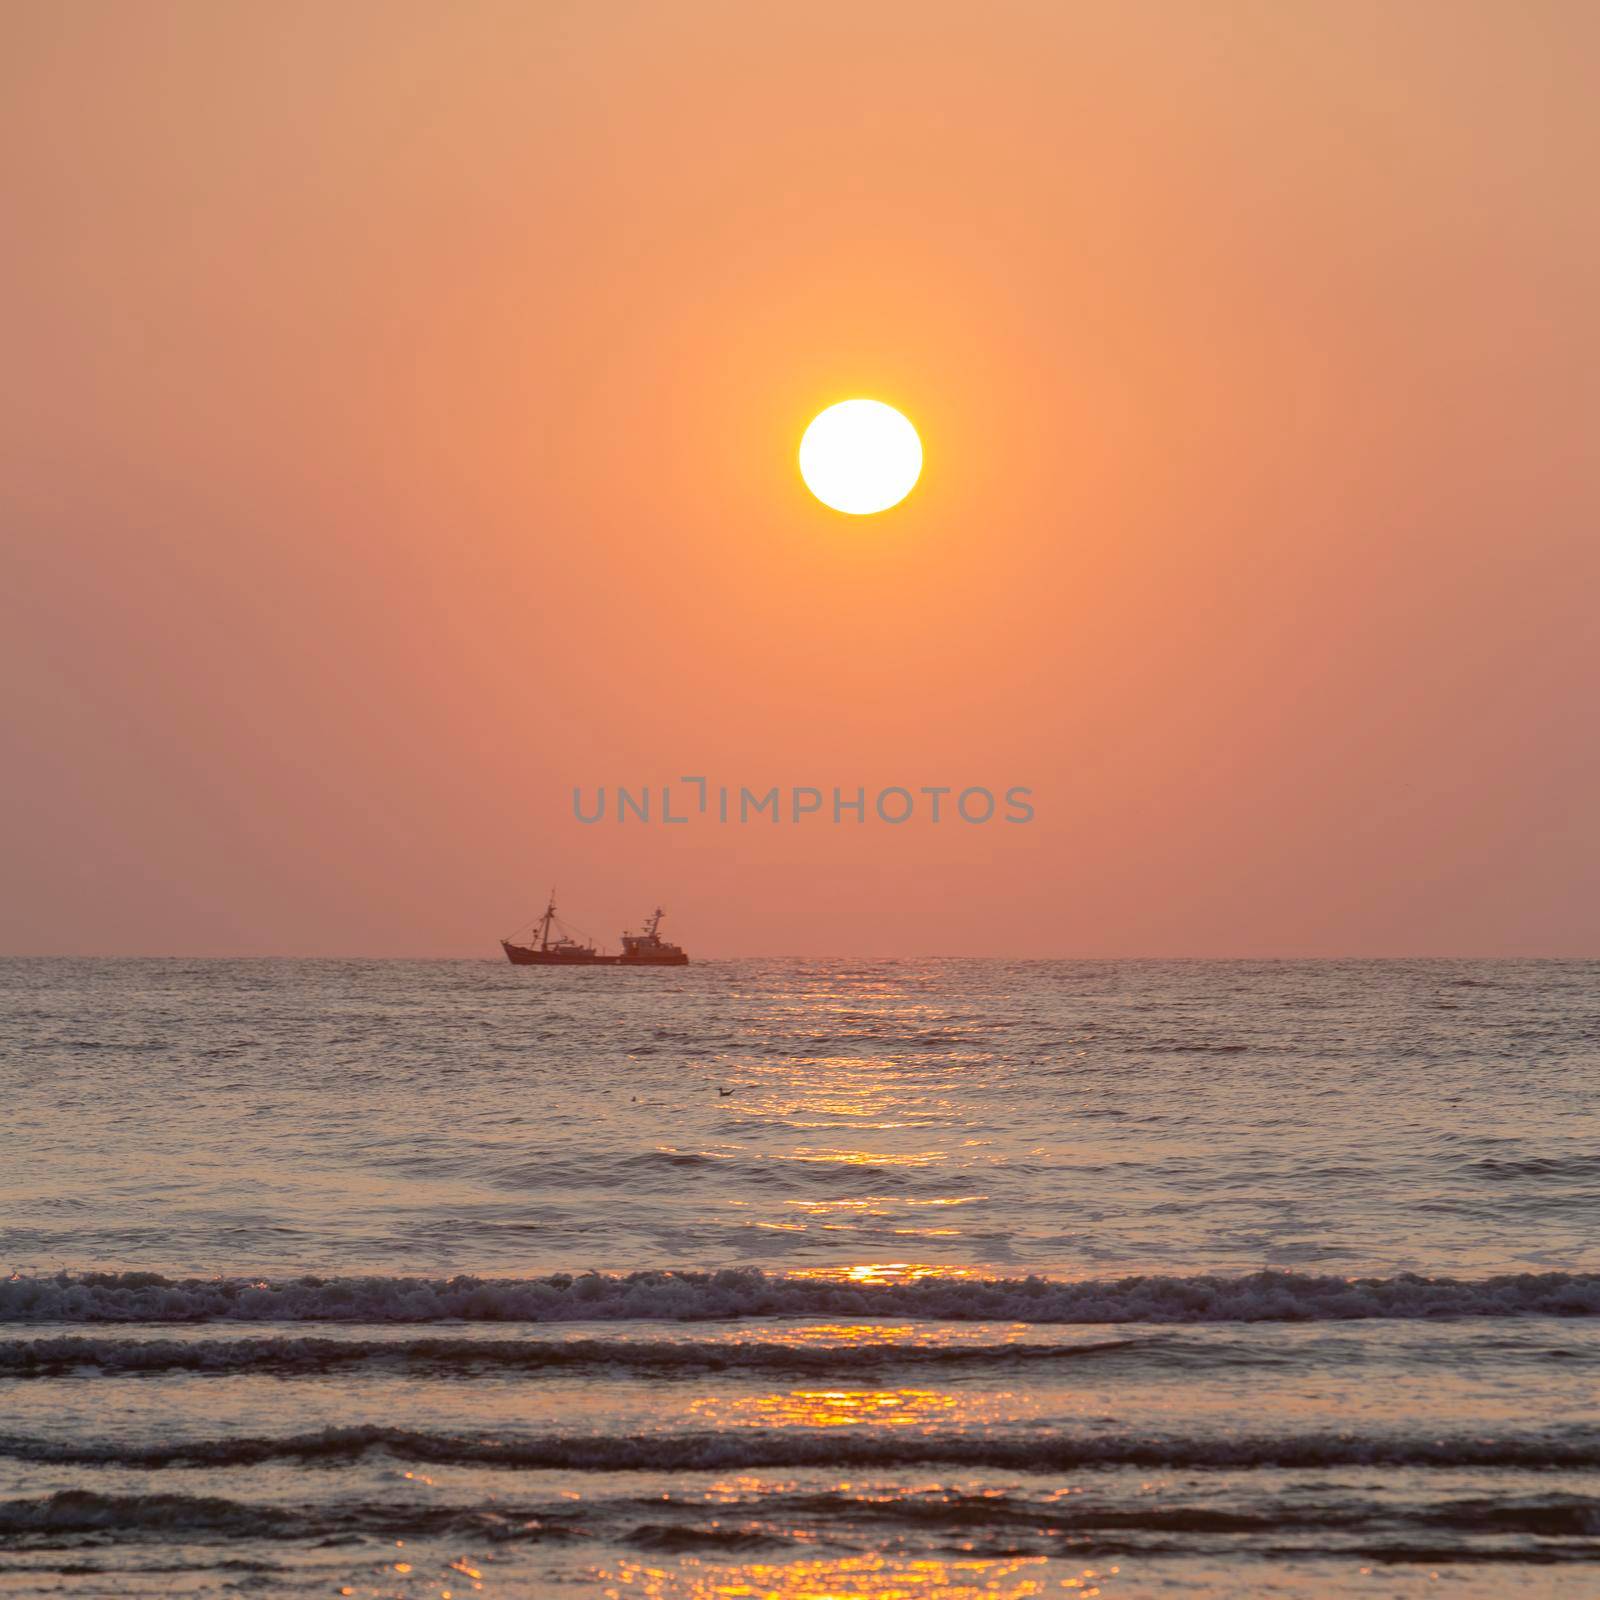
point(762, 1279)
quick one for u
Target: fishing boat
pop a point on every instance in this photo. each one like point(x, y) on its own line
point(553, 945)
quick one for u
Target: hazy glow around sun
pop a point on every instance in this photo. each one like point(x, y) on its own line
point(860, 456)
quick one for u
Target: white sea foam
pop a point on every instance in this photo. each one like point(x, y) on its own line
point(750, 1292)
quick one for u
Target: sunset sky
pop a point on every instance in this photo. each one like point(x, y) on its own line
point(399, 428)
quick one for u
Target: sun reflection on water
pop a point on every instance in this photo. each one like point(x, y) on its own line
point(823, 1408)
point(901, 1333)
point(849, 1578)
point(874, 1272)
point(867, 1158)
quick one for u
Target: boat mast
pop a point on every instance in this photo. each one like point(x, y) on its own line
point(549, 917)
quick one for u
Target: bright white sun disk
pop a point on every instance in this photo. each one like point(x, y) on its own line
point(860, 456)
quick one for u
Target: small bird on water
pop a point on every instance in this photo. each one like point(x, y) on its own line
point(724, 1093)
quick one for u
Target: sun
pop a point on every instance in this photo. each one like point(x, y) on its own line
point(860, 456)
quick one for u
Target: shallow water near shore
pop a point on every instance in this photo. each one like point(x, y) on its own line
point(800, 1278)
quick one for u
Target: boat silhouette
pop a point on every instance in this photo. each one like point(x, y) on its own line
point(554, 946)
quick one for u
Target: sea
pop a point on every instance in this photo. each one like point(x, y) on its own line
point(912, 1280)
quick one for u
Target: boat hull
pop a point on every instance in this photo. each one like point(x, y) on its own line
point(521, 955)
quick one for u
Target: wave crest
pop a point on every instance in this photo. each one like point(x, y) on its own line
point(751, 1292)
point(767, 1449)
point(43, 1358)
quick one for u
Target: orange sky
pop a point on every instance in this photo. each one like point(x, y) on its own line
point(398, 429)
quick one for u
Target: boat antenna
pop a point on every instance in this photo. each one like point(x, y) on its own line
point(549, 910)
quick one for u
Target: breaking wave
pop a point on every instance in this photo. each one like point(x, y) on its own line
point(1012, 1519)
point(676, 1523)
point(751, 1292)
point(767, 1449)
point(44, 1358)
point(84, 1511)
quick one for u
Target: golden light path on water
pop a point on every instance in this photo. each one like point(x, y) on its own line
point(825, 1408)
point(884, 1115)
point(873, 1272)
point(879, 1115)
point(865, 1577)
point(885, 1107)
